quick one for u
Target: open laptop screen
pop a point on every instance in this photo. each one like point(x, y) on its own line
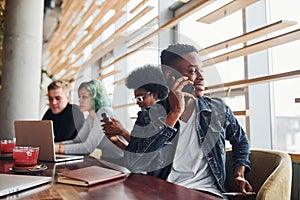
point(39, 133)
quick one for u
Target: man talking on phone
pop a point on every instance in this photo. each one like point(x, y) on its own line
point(186, 144)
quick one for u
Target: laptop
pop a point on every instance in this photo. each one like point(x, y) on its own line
point(10, 183)
point(40, 133)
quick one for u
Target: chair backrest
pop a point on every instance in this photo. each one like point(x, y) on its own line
point(270, 175)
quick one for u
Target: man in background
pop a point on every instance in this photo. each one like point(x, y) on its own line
point(67, 118)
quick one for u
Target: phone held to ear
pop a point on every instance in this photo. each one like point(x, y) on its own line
point(188, 88)
point(105, 116)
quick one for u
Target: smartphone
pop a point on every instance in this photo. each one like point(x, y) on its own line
point(105, 116)
point(188, 88)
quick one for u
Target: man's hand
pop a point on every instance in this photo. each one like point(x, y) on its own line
point(177, 100)
point(240, 183)
point(60, 148)
point(56, 147)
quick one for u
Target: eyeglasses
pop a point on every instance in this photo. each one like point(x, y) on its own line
point(140, 98)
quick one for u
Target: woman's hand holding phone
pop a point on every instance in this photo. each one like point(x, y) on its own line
point(114, 128)
point(105, 116)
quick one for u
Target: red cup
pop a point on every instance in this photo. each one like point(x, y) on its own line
point(7, 146)
point(25, 156)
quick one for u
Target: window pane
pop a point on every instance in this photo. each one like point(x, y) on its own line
point(205, 35)
point(284, 58)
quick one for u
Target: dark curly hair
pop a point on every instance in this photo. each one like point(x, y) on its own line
point(174, 52)
point(149, 78)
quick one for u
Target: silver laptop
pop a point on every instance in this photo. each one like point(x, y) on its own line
point(40, 133)
point(10, 183)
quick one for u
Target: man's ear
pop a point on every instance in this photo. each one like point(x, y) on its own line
point(68, 98)
point(167, 73)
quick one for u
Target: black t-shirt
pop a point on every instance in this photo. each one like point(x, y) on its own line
point(67, 123)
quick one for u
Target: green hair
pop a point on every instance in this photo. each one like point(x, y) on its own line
point(97, 92)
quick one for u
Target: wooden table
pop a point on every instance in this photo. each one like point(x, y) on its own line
point(133, 187)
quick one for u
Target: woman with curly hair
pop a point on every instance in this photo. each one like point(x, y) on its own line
point(149, 87)
point(93, 98)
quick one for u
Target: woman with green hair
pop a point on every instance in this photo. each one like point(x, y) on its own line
point(93, 98)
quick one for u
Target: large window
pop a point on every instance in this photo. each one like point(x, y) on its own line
point(284, 58)
point(204, 35)
point(147, 54)
point(280, 112)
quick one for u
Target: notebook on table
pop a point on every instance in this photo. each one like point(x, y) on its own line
point(10, 183)
point(89, 176)
point(40, 133)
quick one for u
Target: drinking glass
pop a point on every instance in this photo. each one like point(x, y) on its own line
point(25, 156)
point(7, 145)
